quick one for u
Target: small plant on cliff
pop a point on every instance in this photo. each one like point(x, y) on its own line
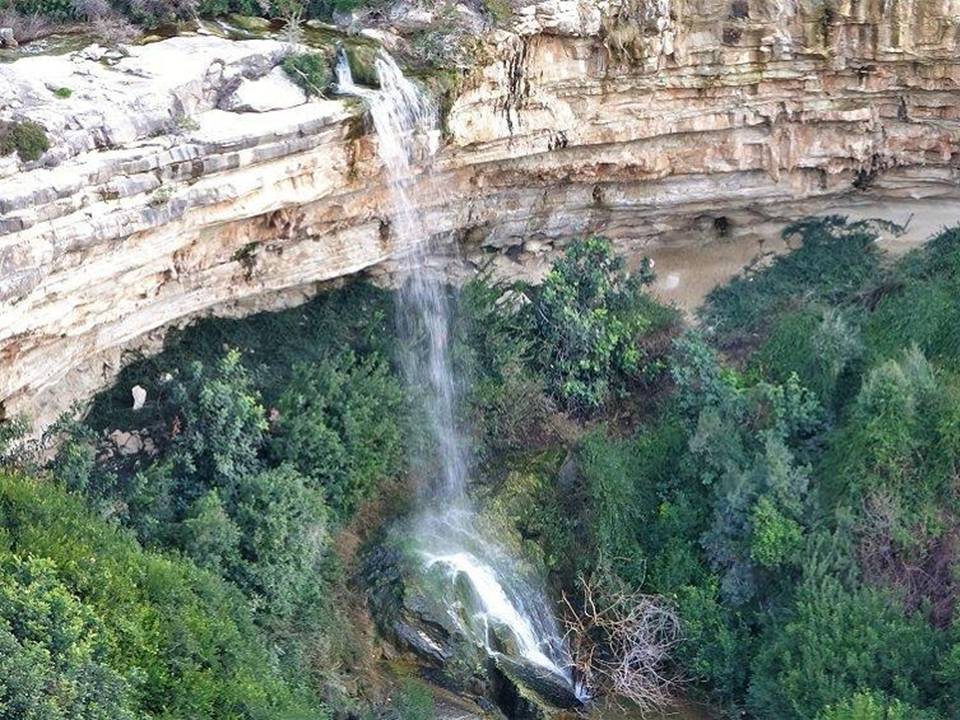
point(414, 701)
point(589, 315)
point(291, 12)
point(310, 71)
point(500, 10)
point(161, 196)
point(27, 138)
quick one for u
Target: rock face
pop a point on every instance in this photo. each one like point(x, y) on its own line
point(274, 91)
point(660, 122)
point(415, 614)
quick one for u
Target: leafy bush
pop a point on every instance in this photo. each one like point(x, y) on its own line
point(870, 705)
point(282, 539)
point(835, 260)
point(310, 71)
point(776, 538)
point(58, 10)
point(619, 505)
point(824, 348)
point(220, 426)
point(894, 441)
point(506, 404)
point(340, 423)
point(94, 627)
point(211, 494)
point(53, 649)
point(717, 644)
point(28, 139)
point(917, 303)
point(589, 316)
point(836, 643)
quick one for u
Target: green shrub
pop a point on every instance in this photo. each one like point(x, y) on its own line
point(28, 139)
point(835, 260)
point(54, 649)
point(619, 506)
point(57, 10)
point(836, 643)
point(341, 424)
point(93, 627)
point(898, 440)
point(311, 71)
point(414, 701)
point(776, 538)
point(16, 451)
point(717, 645)
point(870, 705)
point(506, 403)
point(824, 348)
point(221, 425)
point(916, 302)
point(589, 316)
point(282, 539)
point(209, 535)
point(63, 92)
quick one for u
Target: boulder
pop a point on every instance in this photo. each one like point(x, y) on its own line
point(416, 619)
point(92, 52)
point(274, 91)
point(7, 39)
point(412, 608)
point(139, 396)
point(554, 690)
point(127, 443)
point(407, 18)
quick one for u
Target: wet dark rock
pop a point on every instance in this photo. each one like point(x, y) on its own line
point(411, 610)
point(551, 689)
point(416, 619)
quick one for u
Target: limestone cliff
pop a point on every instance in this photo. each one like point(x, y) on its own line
point(172, 187)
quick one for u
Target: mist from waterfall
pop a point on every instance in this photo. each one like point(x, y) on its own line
point(449, 537)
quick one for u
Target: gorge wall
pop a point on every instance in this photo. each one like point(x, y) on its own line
point(188, 177)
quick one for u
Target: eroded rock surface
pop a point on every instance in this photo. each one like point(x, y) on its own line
point(665, 124)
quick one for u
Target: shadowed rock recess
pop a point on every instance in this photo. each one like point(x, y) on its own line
point(660, 123)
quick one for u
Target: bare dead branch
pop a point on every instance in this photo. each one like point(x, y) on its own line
point(621, 642)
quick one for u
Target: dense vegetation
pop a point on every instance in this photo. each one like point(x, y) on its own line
point(793, 493)
point(237, 471)
point(783, 479)
point(92, 627)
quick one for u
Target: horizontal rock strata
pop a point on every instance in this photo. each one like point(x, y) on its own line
point(663, 124)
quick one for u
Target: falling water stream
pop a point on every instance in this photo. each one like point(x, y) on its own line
point(503, 600)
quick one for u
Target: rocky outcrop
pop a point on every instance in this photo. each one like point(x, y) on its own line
point(417, 615)
point(664, 123)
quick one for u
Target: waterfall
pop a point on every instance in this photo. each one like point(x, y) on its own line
point(449, 541)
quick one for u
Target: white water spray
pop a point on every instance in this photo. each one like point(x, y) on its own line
point(504, 599)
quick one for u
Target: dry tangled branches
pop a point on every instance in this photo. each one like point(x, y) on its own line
point(621, 642)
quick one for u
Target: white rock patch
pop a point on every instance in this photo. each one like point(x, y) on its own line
point(274, 91)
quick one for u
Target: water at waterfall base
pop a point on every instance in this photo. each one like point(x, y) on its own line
point(499, 606)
